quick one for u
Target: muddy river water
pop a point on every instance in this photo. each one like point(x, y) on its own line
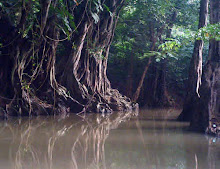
point(150, 139)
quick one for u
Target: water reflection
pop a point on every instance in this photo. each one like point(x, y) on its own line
point(119, 141)
point(74, 142)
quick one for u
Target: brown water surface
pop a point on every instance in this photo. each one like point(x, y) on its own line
point(150, 140)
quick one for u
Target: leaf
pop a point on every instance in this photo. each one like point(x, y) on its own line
point(27, 30)
point(66, 23)
point(157, 59)
point(211, 31)
point(170, 39)
point(107, 8)
point(95, 17)
point(172, 56)
point(64, 30)
point(150, 54)
point(72, 23)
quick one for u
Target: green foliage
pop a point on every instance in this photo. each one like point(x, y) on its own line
point(170, 45)
point(108, 9)
point(96, 52)
point(29, 27)
point(133, 37)
point(166, 49)
point(211, 31)
point(13, 10)
point(183, 34)
point(65, 20)
point(98, 6)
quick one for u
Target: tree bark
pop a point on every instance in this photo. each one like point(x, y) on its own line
point(207, 107)
point(156, 93)
point(83, 85)
point(141, 82)
point(153, 45)
point(89, 63)
point(129, 87)
point(195, 72)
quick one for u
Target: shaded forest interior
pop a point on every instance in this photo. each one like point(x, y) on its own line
point(163, 33)
point(102, 56)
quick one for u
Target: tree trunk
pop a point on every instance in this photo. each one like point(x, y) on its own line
point(156, 90)
point(141, 82)
point(195, 72)
point(162, 93)
point(129, 87)
point(163, 97)
point(89, 64)
point(207, 107)
point(34, 82)
point(156, 94)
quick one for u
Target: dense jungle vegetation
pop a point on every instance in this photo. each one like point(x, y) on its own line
point(61, 56)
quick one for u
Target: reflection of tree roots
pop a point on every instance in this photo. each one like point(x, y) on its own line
point(25, 147)
point(92, 140)
point(84, 144)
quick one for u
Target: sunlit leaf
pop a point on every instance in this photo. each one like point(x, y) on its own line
point(107, 8)
point(95, 17)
